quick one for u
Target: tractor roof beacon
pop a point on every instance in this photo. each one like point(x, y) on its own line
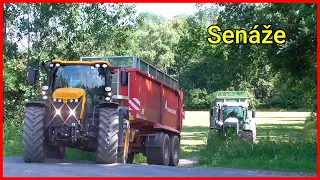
point(114, 106)
point(229, 113)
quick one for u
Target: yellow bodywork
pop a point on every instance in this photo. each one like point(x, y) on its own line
point(91, 63)
point(71, 93)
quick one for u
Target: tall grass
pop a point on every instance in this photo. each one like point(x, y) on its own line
point(298, 153)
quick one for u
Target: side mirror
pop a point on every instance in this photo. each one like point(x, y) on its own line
point(253, 114)
point(124, 78)
point(33, 75)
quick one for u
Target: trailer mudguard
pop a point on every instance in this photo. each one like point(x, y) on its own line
point(154, 140)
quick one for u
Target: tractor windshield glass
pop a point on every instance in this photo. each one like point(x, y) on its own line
point(237, 110)
point(92, 80)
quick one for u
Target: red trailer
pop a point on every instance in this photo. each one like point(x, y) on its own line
point(155, 106)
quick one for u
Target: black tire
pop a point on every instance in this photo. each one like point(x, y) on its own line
point(159, 155)
point(247, 135)
point(130, 158)
point(123, 151)
point(108, 138)
point(174, 151)
point(33, 134)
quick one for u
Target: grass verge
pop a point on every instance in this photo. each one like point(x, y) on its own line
point(290, 148)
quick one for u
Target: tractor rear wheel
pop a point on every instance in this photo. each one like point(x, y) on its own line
point(33, 134)
point(108, 136)
point(175, 150)
point(159, 155)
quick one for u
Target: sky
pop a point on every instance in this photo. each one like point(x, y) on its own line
point(168, 10)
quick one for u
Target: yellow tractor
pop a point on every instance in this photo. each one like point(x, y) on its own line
point(75, 110)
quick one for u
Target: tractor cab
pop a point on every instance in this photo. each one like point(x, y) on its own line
point(229, 111)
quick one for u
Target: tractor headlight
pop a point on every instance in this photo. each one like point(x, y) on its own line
point(57, 65)
point(59, 100)
point(43, 92)
point(97, 65)
point(109, 94)
point(71, 100)
point(107, 88)
point(45, 97)
point(76, 100)
point(54, 100)
point(104, 65)
point(44, 88)
point(107, 98)
point(51, 65)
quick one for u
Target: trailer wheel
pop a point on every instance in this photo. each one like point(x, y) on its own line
point(123, 151)
point(159, 155)
point(33, 134)
point(175, 151)
point(107, 150)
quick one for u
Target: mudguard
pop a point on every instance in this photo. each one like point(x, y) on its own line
point(35, 103)
point(108, 104)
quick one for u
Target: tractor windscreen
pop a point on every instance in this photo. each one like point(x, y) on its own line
point(92, 80)
point(236, 109)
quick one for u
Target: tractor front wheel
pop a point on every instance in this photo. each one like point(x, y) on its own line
point(108, 139)
point(33, 134)
point(247, 135)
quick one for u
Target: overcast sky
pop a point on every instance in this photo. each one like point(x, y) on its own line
point(168, 10)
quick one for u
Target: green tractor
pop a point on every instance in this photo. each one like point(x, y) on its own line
point(229, 115)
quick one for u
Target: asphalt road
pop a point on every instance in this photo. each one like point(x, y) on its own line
point(17, 167)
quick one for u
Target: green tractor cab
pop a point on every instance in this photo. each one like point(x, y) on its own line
point(229, 112)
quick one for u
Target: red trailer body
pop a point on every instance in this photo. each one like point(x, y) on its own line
point(155, 106)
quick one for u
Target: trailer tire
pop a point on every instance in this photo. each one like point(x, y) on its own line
point(107, 150)
point(159, 155)
point(174, 150)
point(33, 134)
